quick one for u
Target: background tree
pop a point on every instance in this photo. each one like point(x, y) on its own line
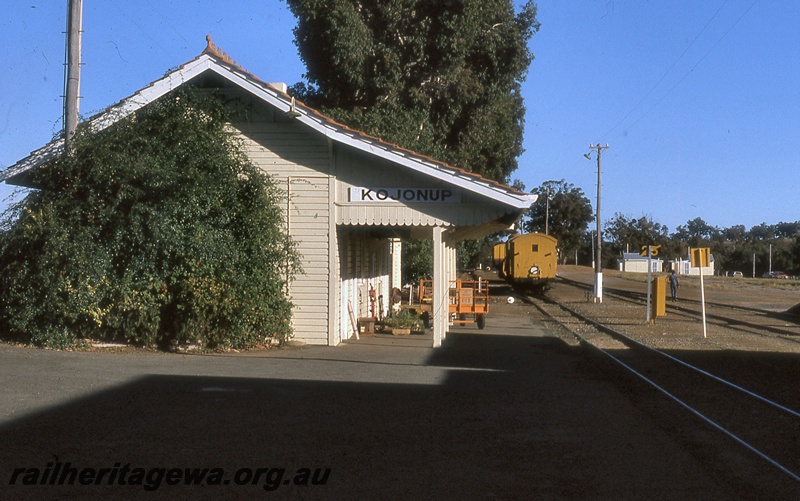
point(736, 249)
point(628, 234)
point(774, 247)
point(440, 78)
point(736, 233)
point(697, 233)
point(417, 260)
point(787, 230)
point(158, 229)
point(570, 213)
point(794, 268)
point(762, 232)
point(733, 249)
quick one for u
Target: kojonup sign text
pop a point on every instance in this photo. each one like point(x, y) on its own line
point(408, 195)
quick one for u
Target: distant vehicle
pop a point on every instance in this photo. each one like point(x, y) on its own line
point(737, 274)
point(776, 274)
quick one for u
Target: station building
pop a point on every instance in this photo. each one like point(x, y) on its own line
point(633, 262)
point(350, 198)
point(683, 266)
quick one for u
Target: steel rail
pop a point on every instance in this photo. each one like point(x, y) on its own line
point(625, 337)
point(694, 411)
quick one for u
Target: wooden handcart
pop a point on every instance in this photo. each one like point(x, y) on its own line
point(467, 301)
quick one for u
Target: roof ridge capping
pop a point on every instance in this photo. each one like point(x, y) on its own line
point(216, 51)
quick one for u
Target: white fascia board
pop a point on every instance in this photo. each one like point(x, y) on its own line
point(273, 97)
point(115, 112)
point(400, 157)
point(37, 157)
point(151, 93)
point(450, 176)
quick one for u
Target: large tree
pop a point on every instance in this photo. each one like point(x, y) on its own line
point(440, 78)
point(630, 234)
point(697, 233)
point(156, 230)
point(563, 211)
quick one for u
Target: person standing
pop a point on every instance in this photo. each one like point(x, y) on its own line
point(673, 285)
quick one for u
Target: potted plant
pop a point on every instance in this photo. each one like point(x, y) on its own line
point(403, 322)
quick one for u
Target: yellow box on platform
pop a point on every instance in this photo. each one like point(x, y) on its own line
point(658, 297)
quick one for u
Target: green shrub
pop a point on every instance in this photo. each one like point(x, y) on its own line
point(405, 319)
point(156, 230)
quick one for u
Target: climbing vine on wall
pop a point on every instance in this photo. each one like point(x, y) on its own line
point(155, 231)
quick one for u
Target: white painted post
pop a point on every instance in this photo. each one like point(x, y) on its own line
point(439, 305)
point(396, 246)
point(649, 268)
point(451, 276)
point(703, 301)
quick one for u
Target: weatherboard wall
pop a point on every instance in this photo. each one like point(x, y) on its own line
point(299, 164)
point(317, 177)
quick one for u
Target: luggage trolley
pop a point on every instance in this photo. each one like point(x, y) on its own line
point(468, 302)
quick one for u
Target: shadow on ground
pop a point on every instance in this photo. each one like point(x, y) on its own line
point(515, 418)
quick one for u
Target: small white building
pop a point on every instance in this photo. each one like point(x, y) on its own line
point(349, 197)
point(684, 267)
point(632, 262)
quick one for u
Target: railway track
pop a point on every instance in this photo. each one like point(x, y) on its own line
point(767, 430)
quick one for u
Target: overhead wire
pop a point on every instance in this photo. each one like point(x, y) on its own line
point(713, 46)
point(671, 68)
point(169, 23)
point(668, 71)
point(139, 26)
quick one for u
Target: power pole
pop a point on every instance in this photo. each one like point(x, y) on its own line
point(598, 279)
point(547, 213)
point(73, 80)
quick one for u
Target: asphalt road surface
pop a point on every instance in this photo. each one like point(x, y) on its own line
point(509, 412)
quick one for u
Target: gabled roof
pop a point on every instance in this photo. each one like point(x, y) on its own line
point(213, 60)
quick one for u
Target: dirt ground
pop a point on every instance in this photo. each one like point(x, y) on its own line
point(680, 331)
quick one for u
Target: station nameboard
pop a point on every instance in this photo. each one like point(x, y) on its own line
point(408, 195)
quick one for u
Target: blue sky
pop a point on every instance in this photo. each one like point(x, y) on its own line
point(699, 101)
